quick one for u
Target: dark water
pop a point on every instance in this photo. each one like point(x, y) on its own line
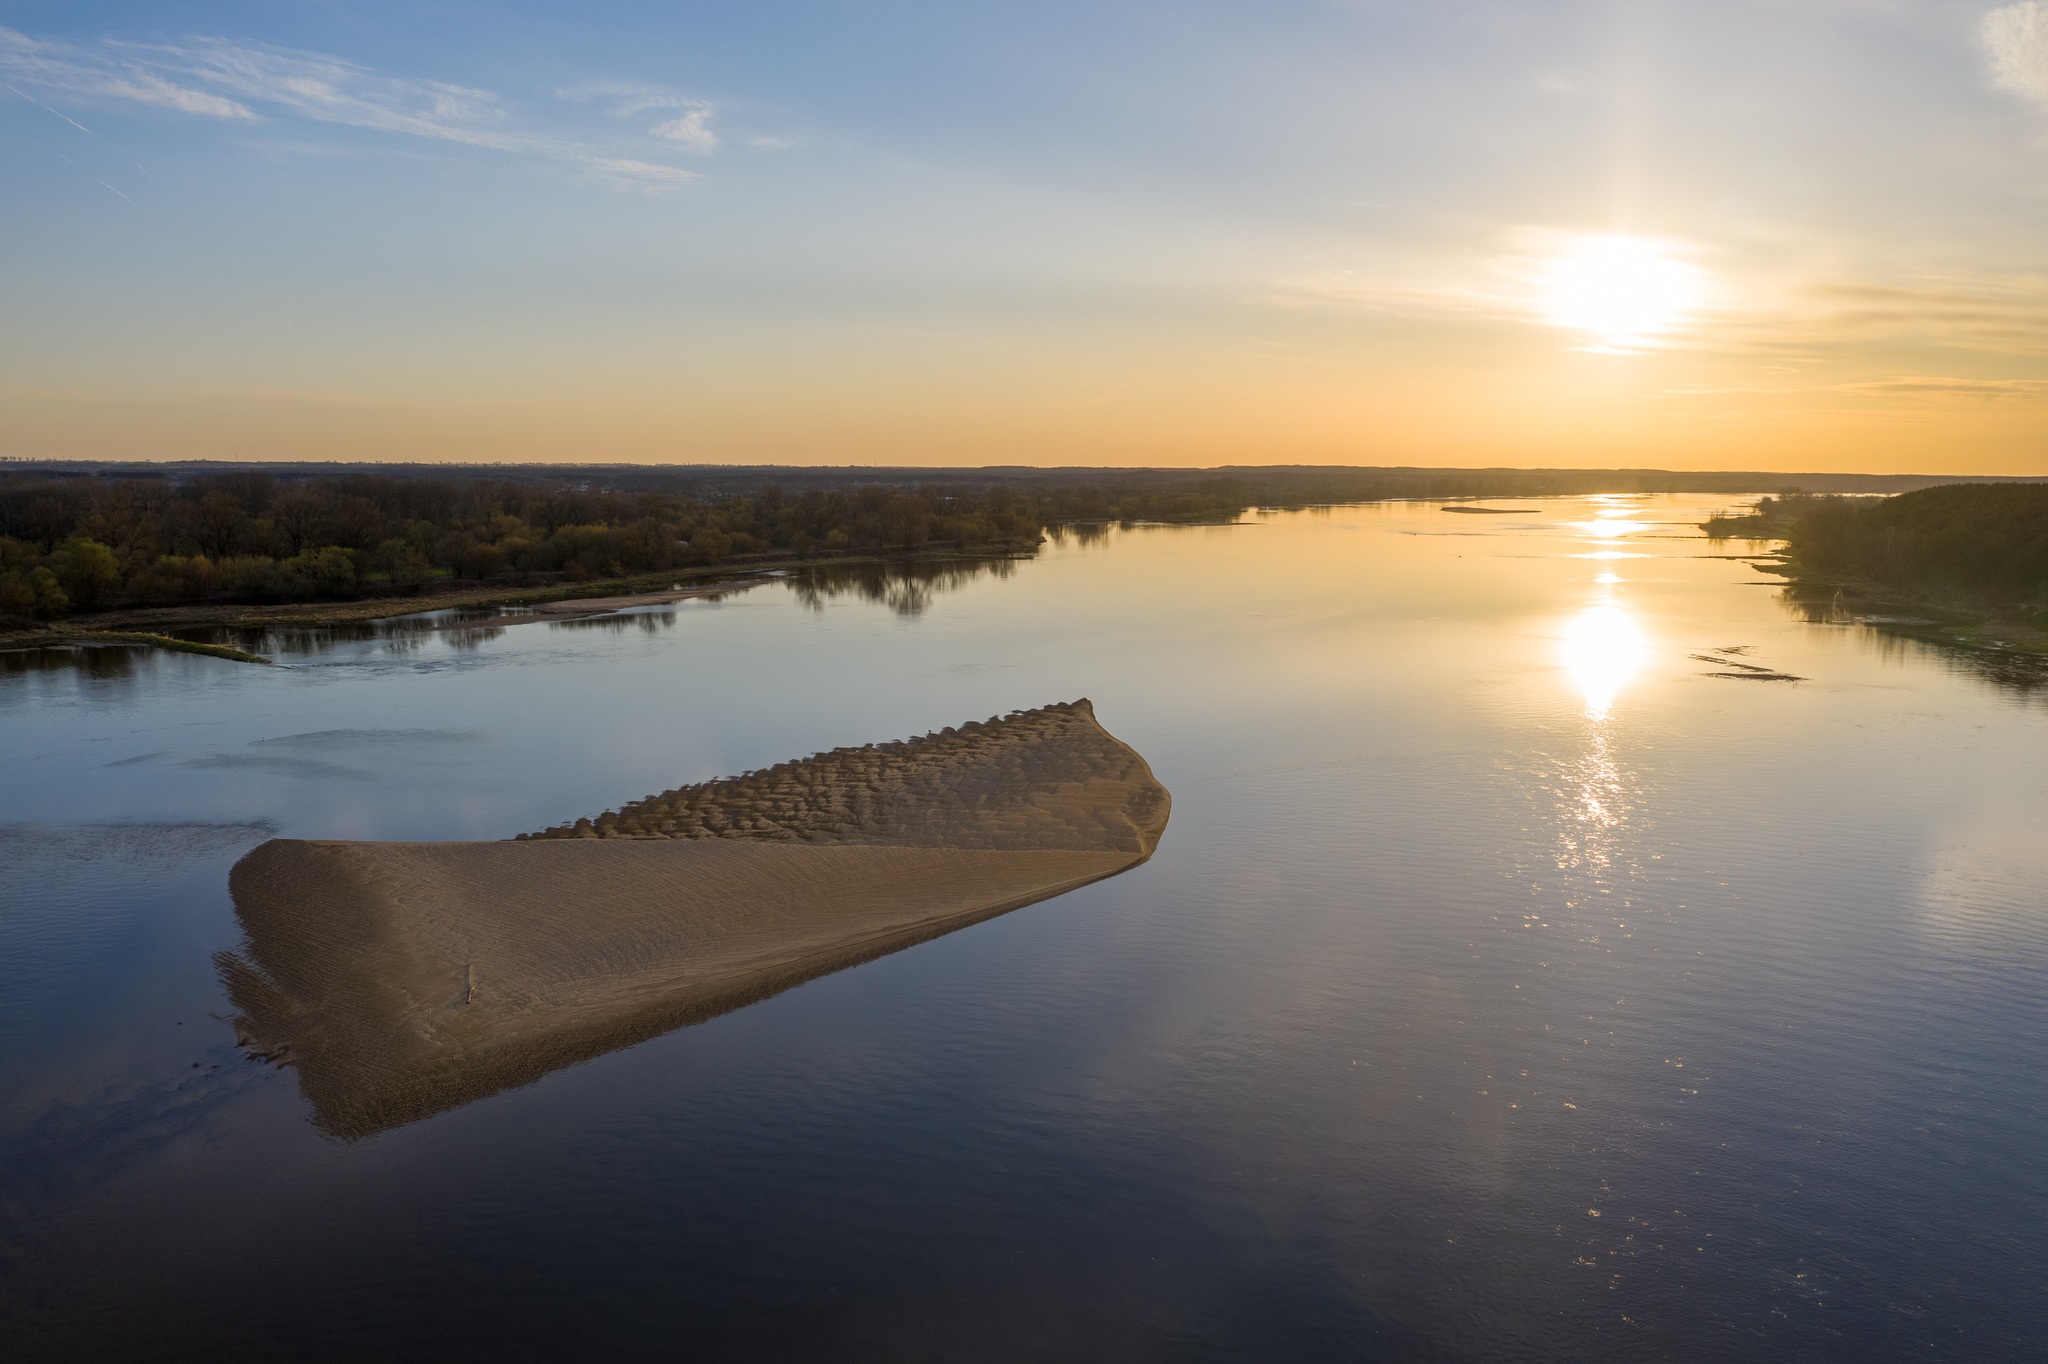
point(1508, 986)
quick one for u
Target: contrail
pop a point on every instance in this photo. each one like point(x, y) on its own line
point(96, 180)
point(48, 110)
point(88, 132)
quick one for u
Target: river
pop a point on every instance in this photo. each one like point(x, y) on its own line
point(1562, 948)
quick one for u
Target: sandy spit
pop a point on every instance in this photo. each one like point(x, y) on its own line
point(402, 979)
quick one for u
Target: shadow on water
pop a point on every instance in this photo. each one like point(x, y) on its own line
point(1898, 634)
point(95, 661)
point(907, 587)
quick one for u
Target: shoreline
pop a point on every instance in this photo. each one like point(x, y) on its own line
point(149, 626)
point(1907, 614)
point(1954, 566)
point(1929, 619)
point(1926, 617)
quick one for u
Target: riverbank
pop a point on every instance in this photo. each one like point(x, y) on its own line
point(155, 626)
point(1929, 617)
point(1959, 565)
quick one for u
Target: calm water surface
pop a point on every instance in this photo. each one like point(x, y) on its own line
point(1507, 987)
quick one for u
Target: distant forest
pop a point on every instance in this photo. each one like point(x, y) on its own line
point(1981, 545)
point(91, 543)
point(80, 539)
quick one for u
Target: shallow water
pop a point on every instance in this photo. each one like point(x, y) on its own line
point(1507, 986)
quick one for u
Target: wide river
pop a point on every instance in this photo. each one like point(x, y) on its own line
point(1561, 949)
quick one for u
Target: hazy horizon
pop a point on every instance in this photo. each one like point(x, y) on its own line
point(1079, 471)
point(1776, 236)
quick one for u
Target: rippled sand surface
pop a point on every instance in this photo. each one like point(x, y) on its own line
point(405, 978)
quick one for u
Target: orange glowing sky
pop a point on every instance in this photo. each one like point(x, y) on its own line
point(1791, 234)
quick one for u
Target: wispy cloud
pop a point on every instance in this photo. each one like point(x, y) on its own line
point(330, 90)
point(626, 172)
point(1969, 312)
point(1755, 312)
point(1942, 387)
point(624, 99)
point(61, 69)
point(247, 82)
point(689, 129)
point(1618, 293)
point(2016, 40)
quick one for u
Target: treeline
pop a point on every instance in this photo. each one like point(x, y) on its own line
point(83, 544)
point(1983, 545)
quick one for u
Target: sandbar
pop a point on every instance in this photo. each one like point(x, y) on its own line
point(401, 979)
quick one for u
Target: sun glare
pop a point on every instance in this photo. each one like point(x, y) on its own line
point(1612, 519)
point(1625, 293)
point(1602, 648)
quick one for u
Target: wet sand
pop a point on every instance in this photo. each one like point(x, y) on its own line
point(405, 978)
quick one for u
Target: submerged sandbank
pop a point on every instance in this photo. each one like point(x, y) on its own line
point(405, 978)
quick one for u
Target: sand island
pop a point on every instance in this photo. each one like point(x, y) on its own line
point(401, 979)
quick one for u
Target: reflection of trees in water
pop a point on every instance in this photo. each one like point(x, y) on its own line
point(1086, 534)
point(908, 587)
point(1098, 534)
point(647, 622)
point(1898, 635)
point(95, 661)
point(400, 634)
point(459, 628)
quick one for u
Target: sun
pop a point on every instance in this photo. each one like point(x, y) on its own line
point(1625, 293)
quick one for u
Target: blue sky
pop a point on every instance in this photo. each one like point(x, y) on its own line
point(1807, 233)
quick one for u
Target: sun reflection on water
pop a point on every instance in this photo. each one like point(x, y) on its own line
point(1612, 519)
point(1603, 649)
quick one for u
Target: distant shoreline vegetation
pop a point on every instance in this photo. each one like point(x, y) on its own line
point(91, 546)
point(1973, 555)
point(113, 546)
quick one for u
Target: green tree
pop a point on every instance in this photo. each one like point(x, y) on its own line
point(17, 595)
point(710, 545)
point(408, 567)
point(87, 571)
point(329, 572)
point(32, 591)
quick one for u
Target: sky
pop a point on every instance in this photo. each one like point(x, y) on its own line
point(1755, 234)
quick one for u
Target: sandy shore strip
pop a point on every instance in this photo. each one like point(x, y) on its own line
point(580, 608)
point(402, 979)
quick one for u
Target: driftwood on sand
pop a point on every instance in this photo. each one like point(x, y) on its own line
point(402, 979)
